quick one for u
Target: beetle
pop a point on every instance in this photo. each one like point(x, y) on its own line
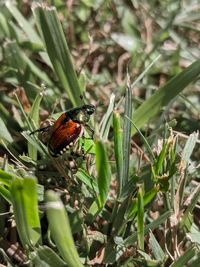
point(67, 129)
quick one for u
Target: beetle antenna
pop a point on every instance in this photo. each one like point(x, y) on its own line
point(39, 130)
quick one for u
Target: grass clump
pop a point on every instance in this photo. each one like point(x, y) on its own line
point(133, 198)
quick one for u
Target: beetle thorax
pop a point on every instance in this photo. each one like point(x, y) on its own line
point(82, 117)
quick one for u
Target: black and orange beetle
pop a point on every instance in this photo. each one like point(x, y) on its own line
point(66, 130)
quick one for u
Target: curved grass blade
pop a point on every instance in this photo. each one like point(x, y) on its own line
point(106, 121)
point(185, 258)
point(144, 140)
point(118, 148)
point(12, 152)
point(4, 133)
point(156, 248)
point(87, 179)
point(25, 207)
point(189, 146)
point(5, 178)
point(103, 172)
point(47, 256)
point(103, 180)
point(60, 229)
point(186, 154)
point(4, 25)
point(164, 95)
point(57, 49)
point(127, 134)
point(140, 217)
point(140, 77)
point(27, 28)
point(39, 146)
point(5, 193)
point(151, 226)
point(34, 116)
point(23, 65)
point(147, 198)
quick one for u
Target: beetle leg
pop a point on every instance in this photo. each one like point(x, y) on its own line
point(40, 130)
point(90, 130)
point(79, 152)
point(72, 165)
point(82, 145)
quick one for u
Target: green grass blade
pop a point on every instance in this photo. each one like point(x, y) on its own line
point(24, 66)
point(27, 28)
point(147, 198)
point(37, 144)
point(156, 248)
point(34, 116)
point(189, 146)
point(4, 133)
point(141, 76)
point(19, 60)
point(5, 178)
point(87, 179)
point(103, 180)
point(23, 112)
point(25, 207)
point(160, 160)
point(5, 193)
point(164, 95)
point(129, 188)
point(4, 25)
point(37, 71)
point(171, 124)
point(118, 148)
point(60, 229)
point(127, 135)
point(194, 201)
point(14, 58)
point(107, 119)
point(11, 151)
point(57, 49)
point(195, 262)
point(191, 206)
point(151, 226)
point(186, 154)
point(93, 211)
point(185, 258)
point(48, 256)
point(118, 220)
point(144, 140)
point(140, 217)
point(103, 172)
